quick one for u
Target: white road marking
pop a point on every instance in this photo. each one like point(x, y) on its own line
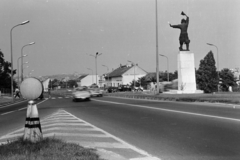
point(7, 112)
point(169, 110)
point(13, 104)
point(21, 108)
point(62, 119)
point(116, 138)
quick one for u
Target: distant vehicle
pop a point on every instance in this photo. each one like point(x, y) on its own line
point(137, 89)
point(112, 89)
point(96, 92)
point(124, 88)
point(81, 93)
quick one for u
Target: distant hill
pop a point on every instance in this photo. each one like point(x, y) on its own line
point(62, 77)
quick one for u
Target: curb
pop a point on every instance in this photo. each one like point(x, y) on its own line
point(158, 99)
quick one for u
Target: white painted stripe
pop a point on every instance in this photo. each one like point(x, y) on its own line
point(11, 136)
point(60, 121)
point(22, 108)
point(64, 124)
point(13, 104)
point(60, 97)
point(42, 101)
point(169, 110)
point(79, 135)
point(59, 118)
point(59, 115)
point(116, 138)
point(69, 129)
point(7, 112)
point(100, 144)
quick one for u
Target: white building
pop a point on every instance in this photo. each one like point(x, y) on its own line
point(124, 75)
point(88, 80)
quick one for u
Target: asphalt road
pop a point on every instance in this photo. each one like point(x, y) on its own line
point(168, 130)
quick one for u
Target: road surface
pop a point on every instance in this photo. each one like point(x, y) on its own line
point(167, 130)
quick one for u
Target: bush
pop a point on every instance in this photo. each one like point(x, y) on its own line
point(46, 149)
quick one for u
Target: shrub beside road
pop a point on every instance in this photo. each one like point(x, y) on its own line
point(46, 149)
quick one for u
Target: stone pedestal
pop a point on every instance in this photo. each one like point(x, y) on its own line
point(186, 73)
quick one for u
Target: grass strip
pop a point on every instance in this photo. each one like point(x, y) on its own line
point(46, 149)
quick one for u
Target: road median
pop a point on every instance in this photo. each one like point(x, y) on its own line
point(229, 98)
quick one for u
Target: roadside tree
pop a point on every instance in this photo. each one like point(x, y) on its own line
point(5, 73)
point(206, 75)
point(227, 79)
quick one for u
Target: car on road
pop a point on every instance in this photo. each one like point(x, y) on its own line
point(96, 92)
point(137, 89)
point(112, 89)
point(124, 88)
point(81, 93)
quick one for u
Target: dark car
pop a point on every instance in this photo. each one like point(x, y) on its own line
point(112, 89)
point(124, 88)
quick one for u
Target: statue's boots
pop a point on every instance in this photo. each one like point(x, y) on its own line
point(187, 46)
point(180, 48)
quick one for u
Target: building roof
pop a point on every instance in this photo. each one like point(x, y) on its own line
point(120, 71)
point(82, 76)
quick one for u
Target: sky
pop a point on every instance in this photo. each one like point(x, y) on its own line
point(66, 32)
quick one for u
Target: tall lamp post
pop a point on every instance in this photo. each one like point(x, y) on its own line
point(217, 62)
point(25, 67)
point(23, 23)
point(157, 60)
point(167, 66)
point(92, 73)
point(18, 67)
point(97, 54)
point(22, 55)
point(107, 71)
point(134, 73)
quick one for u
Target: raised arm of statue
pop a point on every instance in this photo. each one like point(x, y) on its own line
point(187, 20)
point(176, 26)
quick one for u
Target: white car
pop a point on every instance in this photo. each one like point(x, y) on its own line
point(81, 93)
point(96, 92)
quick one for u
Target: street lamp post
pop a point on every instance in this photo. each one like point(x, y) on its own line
point(22, 55)
point(97, 54)
point(26, 66)
point(23, 23)
point(92, 73)
point(134, 73)
point(157, 60)
point(107, 71)
point(167, 66)
point(217, 62)
point(18, 67)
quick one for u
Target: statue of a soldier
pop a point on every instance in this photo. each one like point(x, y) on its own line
point(183, 38)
